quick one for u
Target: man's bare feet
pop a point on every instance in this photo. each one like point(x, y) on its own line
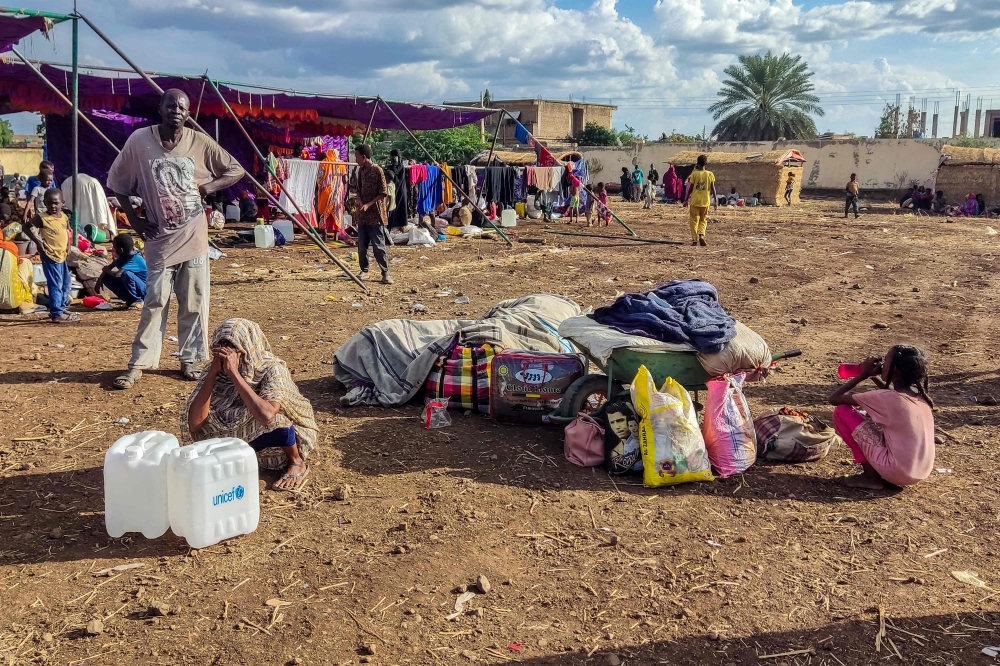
point(865, 481)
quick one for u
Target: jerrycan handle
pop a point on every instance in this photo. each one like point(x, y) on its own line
point(221, 446)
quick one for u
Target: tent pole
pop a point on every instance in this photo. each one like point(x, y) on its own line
point(65, 99)
point(306, 229)
point(453, 183)
point(138, 70)
point(489, 160)
point(197, 111)
point(371, 120)
point(76, 128)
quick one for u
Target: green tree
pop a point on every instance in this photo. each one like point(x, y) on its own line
point(41, 130)
point(888, 124)
point(766, 97)
point(677, 137)
point(455, 145)
point(597, 135)
point(6, 133)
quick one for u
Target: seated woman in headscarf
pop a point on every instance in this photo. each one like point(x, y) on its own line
point(248, 393)
point(15, 275)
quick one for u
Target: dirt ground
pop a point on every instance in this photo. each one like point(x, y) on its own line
point(583, 570)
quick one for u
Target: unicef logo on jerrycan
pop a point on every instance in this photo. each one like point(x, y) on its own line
point(224, 498)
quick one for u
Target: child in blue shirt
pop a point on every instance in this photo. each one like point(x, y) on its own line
point(126, 276)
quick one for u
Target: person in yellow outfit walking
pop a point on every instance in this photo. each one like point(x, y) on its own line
point(700, 195)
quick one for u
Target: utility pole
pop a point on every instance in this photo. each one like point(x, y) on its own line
point(954, 124)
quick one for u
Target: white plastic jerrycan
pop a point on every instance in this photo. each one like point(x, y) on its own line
point(212, 491)
point(135, 484)
point(263, 235)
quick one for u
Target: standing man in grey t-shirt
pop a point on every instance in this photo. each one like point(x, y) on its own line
point(172, 168)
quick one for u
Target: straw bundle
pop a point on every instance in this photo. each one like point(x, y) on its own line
point(507, 157)
point(954, 155)
point(749, 173)
point(958, 180)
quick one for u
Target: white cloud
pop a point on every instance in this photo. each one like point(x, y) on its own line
point(450, 49)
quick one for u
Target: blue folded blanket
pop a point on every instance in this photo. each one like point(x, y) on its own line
point(683, 311)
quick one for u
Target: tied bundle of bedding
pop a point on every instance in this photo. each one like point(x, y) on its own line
point(679, 312)
point(388, 363)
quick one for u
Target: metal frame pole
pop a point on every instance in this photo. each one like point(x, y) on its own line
point(65, 99)
point(371, 120)
point(306, 229)
point(454, 184)
point(76, 128)
point(271, 197)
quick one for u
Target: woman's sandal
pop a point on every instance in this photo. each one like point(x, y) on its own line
point(300, 477)
point(67, 318)
point(126, 381)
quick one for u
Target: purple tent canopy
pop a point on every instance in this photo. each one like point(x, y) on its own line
point(20, 90)
point(14, 28)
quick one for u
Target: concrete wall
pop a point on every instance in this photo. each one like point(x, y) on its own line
point(880, 163)
point(20, 160)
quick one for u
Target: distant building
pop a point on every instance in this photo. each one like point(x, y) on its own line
point(26, 141)
point(549, 121)
point(992, 128)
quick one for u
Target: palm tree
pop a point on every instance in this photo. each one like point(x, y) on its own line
point(766, 97)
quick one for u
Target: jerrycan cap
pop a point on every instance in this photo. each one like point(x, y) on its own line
point(188, 453)
point(133, 452)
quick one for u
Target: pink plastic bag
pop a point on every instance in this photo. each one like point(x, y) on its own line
point(584, 444)
point(729, 432)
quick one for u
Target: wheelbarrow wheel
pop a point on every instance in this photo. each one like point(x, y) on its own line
point(587, 395)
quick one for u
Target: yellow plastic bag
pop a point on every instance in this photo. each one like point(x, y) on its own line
point(673, 449)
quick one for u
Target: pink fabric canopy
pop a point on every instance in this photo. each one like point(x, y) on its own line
point(14, 28)
point(20, 90)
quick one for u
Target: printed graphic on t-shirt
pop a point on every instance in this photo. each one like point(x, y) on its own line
point(176, 189)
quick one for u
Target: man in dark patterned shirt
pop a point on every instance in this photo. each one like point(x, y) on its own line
point(370, 213)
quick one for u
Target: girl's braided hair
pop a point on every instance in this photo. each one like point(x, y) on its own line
point(909, 363)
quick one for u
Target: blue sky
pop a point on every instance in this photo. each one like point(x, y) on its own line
point(661, 61)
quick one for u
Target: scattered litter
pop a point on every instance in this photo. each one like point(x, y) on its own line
point(286, 337)
point(422, 257)
point(396, 260)
point(419, 307)
point(944, 470)
point(120, 567)
point(104, 306)
point(214, 253)
point(463, 599)
point(757, 238)
point(123, 420)
point(58, 346)
point(357, 306)
point(444, 292)
point(172, 338)
point(869, 267)
point(605, 263)
point(714, 544)
point(352, 256)
point(332, 299)
point(436, 414)
point(990, 231)
point(968, 577)
point(236, 265)
point(462, 300)
point(991, 651)
point(516, 647)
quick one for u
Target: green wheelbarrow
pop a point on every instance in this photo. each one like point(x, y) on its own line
point(590, 393)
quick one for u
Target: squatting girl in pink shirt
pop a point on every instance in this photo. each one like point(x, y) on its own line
point(893, 438)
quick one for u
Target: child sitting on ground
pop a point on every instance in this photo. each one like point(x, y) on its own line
point(893, 438)
point(126, 276)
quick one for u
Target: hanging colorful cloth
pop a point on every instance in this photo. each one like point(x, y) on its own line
point(448, 193)
point(330, 195)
